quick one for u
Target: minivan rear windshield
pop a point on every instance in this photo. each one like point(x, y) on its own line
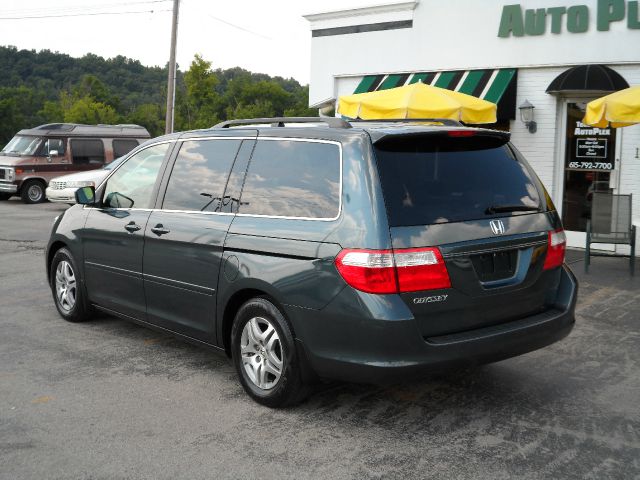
point(439, 179)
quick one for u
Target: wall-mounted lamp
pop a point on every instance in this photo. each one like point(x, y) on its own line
point(526, 115)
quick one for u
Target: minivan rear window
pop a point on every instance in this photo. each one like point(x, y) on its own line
point(437, 179)
point(288, 178)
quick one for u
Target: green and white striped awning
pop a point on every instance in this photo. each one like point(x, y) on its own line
point(497, 86)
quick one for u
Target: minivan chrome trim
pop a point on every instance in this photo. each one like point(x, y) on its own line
point(517, 246)
point(197, 212)
point(308, 140)
point(191, 139)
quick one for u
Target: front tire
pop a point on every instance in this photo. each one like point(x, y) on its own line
point(66, 287)
point(264, 355)
point(33, 191)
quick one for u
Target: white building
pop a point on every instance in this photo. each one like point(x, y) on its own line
point(556, 54)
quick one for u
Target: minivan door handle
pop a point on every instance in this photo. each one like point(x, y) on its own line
point(131, 227)
point(160, 230)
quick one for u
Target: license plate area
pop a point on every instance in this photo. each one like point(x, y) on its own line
point(494, 266)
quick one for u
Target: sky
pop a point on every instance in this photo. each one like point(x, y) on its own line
point(268, 36)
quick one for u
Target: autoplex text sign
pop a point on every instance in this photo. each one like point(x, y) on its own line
point(518, 22)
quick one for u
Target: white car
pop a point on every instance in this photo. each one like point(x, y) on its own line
point(63, 189)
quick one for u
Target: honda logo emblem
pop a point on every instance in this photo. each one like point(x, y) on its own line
point(497, 227)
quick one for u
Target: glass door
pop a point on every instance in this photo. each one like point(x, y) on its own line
point(589, 162)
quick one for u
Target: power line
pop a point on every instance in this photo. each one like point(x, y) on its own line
point(239, 27)
point(61, 9)
point(83, 14)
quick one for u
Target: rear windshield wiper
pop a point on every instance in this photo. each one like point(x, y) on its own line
point(510, 208)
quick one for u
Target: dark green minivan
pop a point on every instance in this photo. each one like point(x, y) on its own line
point(321, 248)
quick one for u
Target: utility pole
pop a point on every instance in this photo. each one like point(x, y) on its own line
point(171, 82)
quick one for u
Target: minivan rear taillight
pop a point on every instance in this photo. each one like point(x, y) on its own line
point(393, 271)
point(556, 245)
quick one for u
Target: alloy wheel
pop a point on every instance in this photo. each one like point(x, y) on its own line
point(65, 286)
point(261, 353)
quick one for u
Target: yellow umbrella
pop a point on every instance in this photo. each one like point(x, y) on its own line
point(417, 101)
point(619, 109)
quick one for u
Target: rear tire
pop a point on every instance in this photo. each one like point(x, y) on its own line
point(33, 191)
point(5, 196)
point(264, 355)
point(67, 289)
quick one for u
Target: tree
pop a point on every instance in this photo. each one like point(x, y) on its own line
point(300, 104)
point(201, 103)
point(87, 110)
point(19, 108)
point(52, 112)
point(149, 115)
point(91, 86)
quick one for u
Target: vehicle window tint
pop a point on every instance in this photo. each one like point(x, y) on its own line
point(87, 151)
point(132, 184)
point(430, 179)
point(293, 179)
point(123, 146)
point(231, 198)
point(53, 144)
point(200, 174)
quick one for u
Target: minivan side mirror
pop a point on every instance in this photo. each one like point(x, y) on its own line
point(86, 195)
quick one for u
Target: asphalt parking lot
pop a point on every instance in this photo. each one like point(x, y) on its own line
point(109, 399)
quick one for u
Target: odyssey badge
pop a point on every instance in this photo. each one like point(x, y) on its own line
point(433, 299)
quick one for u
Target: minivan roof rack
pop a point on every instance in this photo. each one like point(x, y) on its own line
point(71, 126)
point(444, 121)
point(332, 122)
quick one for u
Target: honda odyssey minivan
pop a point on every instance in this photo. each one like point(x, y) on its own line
point(321, 248)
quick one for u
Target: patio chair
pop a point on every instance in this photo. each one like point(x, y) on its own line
point(610, 223)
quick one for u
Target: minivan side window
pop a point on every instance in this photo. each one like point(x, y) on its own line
point(132, 184)
point(288, 178)
point(122, 146)
point(199, 175)
point(87, 151)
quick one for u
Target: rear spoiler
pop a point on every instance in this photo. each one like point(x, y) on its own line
point(378, 136)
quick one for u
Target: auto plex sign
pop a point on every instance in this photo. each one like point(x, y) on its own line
point(518, 22)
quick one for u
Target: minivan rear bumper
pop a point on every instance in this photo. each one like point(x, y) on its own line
point(383, 345)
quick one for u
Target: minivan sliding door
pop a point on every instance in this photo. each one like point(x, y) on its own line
point(184, 239)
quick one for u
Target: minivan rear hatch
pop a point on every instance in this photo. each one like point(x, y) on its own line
point(471, 195)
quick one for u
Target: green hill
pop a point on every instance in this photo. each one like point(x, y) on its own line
point(44, 86)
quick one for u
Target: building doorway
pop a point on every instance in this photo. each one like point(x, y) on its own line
point(589, 165)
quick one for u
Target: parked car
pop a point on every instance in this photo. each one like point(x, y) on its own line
point(34, 156)
point(63, 189)
point(360, 251)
